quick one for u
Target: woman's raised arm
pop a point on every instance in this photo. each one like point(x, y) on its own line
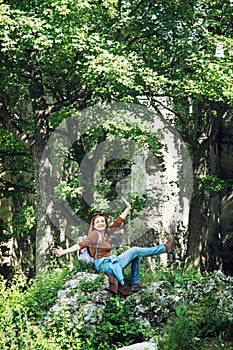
point(127, 210)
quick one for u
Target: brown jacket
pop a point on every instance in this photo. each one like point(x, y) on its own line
point(104, 249)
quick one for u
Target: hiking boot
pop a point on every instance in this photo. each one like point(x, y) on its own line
point(168, 244)
point(136, 287)
point(124, 290)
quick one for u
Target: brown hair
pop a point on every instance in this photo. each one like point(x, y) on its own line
point(93, 219)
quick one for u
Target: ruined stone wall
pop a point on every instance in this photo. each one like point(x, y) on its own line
point(168, 188)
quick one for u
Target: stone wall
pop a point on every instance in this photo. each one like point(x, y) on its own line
point(167, 184)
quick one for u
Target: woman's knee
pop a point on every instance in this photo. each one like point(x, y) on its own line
point(133, 249)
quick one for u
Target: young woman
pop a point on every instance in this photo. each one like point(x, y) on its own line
point(111, 264)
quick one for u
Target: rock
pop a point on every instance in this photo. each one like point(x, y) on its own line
point(140, 346)
point(152, 306)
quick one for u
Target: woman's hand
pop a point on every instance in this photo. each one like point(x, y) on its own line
point(127, 210)
point(58, 251)
point(126, 202)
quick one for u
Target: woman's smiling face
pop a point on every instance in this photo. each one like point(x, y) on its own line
point(100, 223)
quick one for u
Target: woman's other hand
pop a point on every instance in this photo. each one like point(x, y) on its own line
point(58, 251)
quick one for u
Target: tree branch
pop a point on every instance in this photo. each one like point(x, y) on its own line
point(187, 137)
point(136, 7)
point(67, 102)
point(11, 188)
point(215, 127)
point(7, 121)
point(14, 154)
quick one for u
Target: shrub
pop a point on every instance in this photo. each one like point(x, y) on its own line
point(118, 326)
point(63, 331)
point(172, 275)
point(179, 332)
point(204, 322)
point(79, 265)
point(207, 319)
point(16, 329)
point(42, 291)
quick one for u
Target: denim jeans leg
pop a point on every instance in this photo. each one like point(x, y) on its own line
point(133, 256)
point(135, 268)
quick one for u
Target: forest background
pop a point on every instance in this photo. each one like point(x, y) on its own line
point(60, 57)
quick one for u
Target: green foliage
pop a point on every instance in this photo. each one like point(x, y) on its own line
point(91, 286)
point(207, 320)
point(42, 291)
point(81, 52)
point(193, 324)
point(117, 327)
point(79, 265)
point(12, 312)
point(138, 203)
point(136, 132)
point(17, 328)
point(21, 304)
point(12, 149)
point(24, 221)
point(196, 324)
point(211, 183)
point(172, 276)
point(179, 333)
point(200, 320)
point(65, 332)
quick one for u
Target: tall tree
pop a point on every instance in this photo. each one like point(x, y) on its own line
point(58, 57)
point(192, 46)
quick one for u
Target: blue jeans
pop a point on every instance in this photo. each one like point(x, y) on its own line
point(110, 265)
point(132, 256)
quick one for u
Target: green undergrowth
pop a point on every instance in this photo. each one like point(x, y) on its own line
point(24, 304)
point(173, 276)
point(193, 331)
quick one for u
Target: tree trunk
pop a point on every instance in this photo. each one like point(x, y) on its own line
point(213, 236)
point(226, 169)
point(44, 232)
point(44, 228)
point(196, 217)
point(194, 248)
point(204, 244)
point(203, 224)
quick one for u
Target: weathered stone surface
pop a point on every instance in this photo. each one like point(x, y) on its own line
point(140, 346)
point(153, 305)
